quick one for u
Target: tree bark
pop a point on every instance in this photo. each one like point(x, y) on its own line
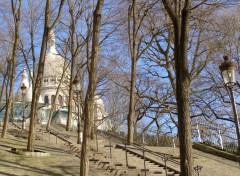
point(89, 101)
point(16, 16)
point(75, 47)
point(180, 18)
point(73, 28)
point(38, 83)
point(132, 42)
point(2, 87)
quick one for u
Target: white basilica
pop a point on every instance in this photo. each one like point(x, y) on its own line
point(56, 69)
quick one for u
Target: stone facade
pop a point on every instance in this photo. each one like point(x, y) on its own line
point(56, 70)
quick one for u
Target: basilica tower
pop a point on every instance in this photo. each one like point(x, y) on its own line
point(55, 69)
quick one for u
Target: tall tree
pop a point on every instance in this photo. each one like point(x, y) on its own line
point(179, 12)
point(133, 45)
point(36, 91)
point(16, 11)
point(89, 100)
point(139, 41)
point(75, 11)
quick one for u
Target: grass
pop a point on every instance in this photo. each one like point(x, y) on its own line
point(61, 162)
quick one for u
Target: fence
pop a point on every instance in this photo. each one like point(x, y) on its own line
point(214, 135)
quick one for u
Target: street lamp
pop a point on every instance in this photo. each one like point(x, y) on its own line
point(77, 84)
point(23, 88)
point(228, 70)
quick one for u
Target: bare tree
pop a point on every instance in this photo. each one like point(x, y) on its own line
point(75, 9)
point(133, 43)
point(38, 83)
point(180, 15)
point(89, 100)
point(5, 65)
point(28, 41)
point(16, 11)
point(137, 34)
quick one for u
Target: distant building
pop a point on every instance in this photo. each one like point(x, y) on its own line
point(56, 69)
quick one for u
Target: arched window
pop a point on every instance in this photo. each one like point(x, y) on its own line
point(60, 100)
point(45, 80)
point(52, 99)
point(46, 100)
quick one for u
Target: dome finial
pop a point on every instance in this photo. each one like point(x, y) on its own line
point(24, 75)
point(51, 38)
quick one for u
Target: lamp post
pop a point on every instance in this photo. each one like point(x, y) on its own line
point(77, 84)
point(23, 89)
point(228, 70)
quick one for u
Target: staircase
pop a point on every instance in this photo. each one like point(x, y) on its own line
point(110, 157)
point(130, 160)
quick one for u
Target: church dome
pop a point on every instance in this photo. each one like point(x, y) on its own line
point(54, 63)
point(54, 67)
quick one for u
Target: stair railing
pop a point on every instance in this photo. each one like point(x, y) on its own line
point(125, 144)
point(144, 161)
point(165, 158)
point(198, 169)
point(139, 147)
point(170, 158)
point(96, 139)
point(110, 145)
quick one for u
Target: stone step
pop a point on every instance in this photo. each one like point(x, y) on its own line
point(119, 168)
point(104, 163)
point(117, 164)
point(108, 146)
point(127, 172)
point(97, 153)
point(94, 160)
point(152, 167)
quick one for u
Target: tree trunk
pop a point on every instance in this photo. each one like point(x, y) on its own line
point(180, 23)
point(56, 95)
point(2, 87)
point(132, 42)
point(38, 83)
point(89, 101)
point(16, 16)
point(36, 91)
point(74, 50)
point(69, 119)
point(12, 106)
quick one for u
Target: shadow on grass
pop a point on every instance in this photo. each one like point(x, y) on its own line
point(14, 166)
point(63, 150)
point(6, 174)
point(16, 143)
point(13, 141)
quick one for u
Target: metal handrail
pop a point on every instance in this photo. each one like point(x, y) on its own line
point(159, 154)
point(15, 125)
point(139, 147)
